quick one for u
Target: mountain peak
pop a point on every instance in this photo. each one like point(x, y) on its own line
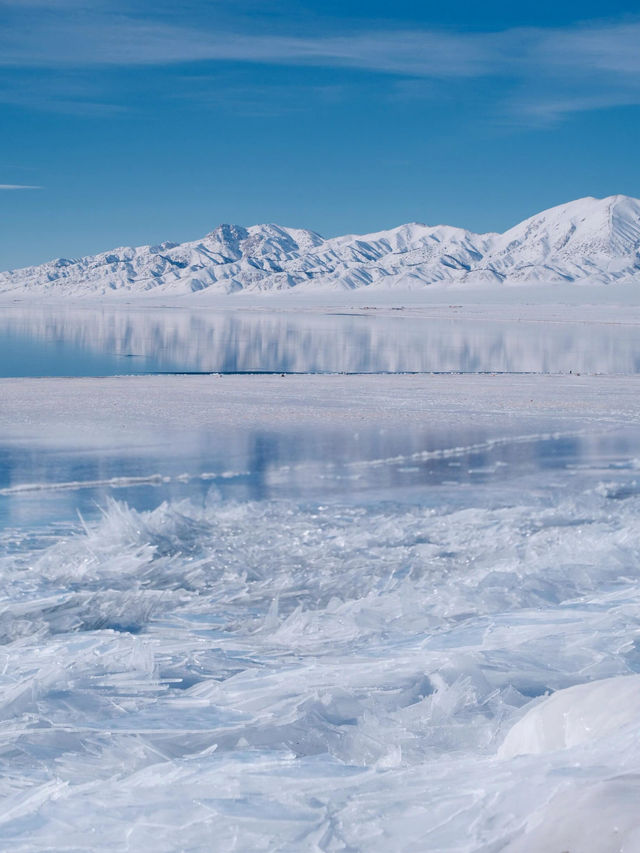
point(589, 239)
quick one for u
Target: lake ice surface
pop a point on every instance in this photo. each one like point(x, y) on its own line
point(336, 633)
point(47, 340)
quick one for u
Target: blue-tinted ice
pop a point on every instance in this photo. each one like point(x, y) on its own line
point(49, 341)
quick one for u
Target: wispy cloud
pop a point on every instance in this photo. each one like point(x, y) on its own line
point(550, 72)
point(100, 38)
point(130, 42)
point(18, 187)
point(65, 92)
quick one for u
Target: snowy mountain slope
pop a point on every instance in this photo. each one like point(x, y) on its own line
point(594, 240)
point(586, 238)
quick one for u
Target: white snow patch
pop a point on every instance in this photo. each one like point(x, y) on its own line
point(576, 715)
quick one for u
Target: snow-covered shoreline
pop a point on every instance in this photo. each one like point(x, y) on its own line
point(616, 304)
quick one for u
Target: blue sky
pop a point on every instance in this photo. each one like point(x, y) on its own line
point(130, 122)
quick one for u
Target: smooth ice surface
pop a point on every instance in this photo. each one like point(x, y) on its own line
point(70, 341)
point(67, 444)
point(335, 652)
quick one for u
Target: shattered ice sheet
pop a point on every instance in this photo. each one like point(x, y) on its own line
point(278, 675)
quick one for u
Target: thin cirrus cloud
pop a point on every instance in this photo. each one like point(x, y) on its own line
point(549, 72)
point(18, 187)
point(95, 39)
point(127, 42)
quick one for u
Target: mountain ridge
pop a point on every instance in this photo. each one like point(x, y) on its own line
point(588, 240)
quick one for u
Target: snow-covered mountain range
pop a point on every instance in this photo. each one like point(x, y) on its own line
point(588, 240)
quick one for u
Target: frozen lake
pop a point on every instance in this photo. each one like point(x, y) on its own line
point(50, 341)
point(309, 613)
point(54, 481)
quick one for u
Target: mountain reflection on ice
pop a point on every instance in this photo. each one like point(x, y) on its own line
point(39, 484)
point(59, 342)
